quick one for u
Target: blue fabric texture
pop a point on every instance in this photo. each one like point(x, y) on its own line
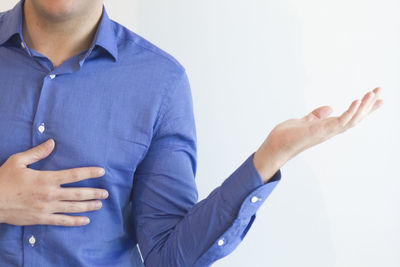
point(124, 105)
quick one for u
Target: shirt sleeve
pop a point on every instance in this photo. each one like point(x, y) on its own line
point(172, 228)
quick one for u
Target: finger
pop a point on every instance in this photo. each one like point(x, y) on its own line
point(349, 113)
point(66, 220)
point(319, 113)
point(361, 109)
point(77, 206)
point(82, 193)
point(377, 90)
point(35, 154)
point(77, 174)
point(376, 105)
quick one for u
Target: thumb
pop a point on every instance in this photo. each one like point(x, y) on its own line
point(36, 153)
point(319, 113)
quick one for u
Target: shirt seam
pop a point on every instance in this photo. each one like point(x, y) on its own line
point(174, 61)
point(161, 111)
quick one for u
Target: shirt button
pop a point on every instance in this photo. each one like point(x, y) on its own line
point(254, 199)
point(32, 240)
point(23, 45)
point(221, 242)
point(41, 128)
point(52, 76)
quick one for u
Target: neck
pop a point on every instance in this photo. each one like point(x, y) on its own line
point(59, 39)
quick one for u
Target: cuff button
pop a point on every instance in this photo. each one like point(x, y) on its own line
point(254, 199)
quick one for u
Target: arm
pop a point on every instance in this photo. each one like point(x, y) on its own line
point(172, 229)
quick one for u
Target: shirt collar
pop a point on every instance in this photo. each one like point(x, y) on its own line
point(106, 36)
point(11, 24)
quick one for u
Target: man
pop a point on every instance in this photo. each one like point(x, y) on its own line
point(80, 94)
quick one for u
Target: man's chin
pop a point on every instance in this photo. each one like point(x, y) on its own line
point(55, 10)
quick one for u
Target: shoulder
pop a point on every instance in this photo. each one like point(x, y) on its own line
point(133, 47)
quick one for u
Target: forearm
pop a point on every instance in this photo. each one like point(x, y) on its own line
point(186, 241)
point(213, 227)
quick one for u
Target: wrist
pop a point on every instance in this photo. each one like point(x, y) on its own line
point(267, 164)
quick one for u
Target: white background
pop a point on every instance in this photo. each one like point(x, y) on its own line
point(253, 64)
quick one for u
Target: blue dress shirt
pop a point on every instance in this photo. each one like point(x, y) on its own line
point(124, 105)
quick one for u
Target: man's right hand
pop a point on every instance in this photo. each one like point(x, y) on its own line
point(29, 196)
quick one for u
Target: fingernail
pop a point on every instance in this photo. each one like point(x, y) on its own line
point(48, 142)
point(102, 171)
point(105, 194)
point(98, 204)
point(86, 220)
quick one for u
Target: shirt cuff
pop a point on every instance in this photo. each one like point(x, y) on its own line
point(244, 190)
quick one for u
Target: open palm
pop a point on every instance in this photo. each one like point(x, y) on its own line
point(293, 136)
